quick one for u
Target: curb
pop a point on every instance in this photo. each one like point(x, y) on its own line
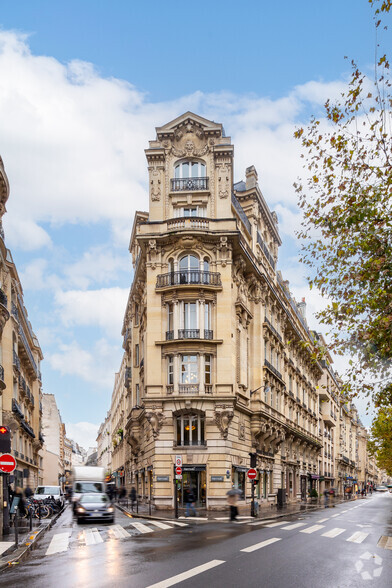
point(279, 515)
point(22, 551)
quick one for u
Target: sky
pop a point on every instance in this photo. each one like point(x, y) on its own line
point(83, 86)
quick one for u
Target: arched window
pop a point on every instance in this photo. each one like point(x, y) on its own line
point(190, 429)
point(189, 270)
point(190, 169)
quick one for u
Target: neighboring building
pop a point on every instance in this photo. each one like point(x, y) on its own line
point(67, 459)
point(20, 357)
point(117, 426)
point(104, 445)
point(54, 433)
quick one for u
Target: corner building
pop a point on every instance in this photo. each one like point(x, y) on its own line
point(218, 354)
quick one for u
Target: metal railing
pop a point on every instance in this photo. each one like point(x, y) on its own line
point(16, 360)
point(188, 277)
point(241, 213)
point(28, 429)
point(169, 335)
point(208, 334)
point(265, 250)
point(189, 333)
point(16, 408)
point(14, 310)
point(184, 184)
point(1, 373)
point(272, 328)
point(27, 348)
point(272, 369)
point(3, 298)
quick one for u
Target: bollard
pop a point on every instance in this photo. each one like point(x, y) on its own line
point(39, 511)
point(31, 518)
point(137, 506)
point(16, 527)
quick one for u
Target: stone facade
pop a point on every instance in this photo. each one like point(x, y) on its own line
point(218, 358)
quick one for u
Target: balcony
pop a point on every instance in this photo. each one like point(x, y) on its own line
point(188, 184)
point(272, 329)
point(16, 360)
point(28, 351)
point(2, 382)
point(189, 333)
point(189, 278)
point(41, 438)
point(188, 388)
point(169, 335)
point(14, 311)
point(269, 365)
point(28, 429)
point(265, 250)
point(16, 409)
point(127, 377)
point(3, 298)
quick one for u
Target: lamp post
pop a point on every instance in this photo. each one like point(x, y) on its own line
point(259, 388)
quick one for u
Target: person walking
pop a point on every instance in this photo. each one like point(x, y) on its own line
point(326, 498)
point(232, 499)
point(28, 492)
point(132, 496)
point(190, 502)
point(122, 494)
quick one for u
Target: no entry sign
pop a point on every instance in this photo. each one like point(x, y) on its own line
point(7, 463)
point(252, 474)
point(178, 471)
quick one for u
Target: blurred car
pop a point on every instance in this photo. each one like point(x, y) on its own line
point(381, 489)
point(96, 506)
point(43, 492)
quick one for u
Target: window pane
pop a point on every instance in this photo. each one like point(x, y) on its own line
point(207, 316)
point(177, 171)
point(185, 169)
point(202, 170)
point(186, 431)
point(179, 431)
point(195, 169)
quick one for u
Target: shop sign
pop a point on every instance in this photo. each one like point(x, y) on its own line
point(217, 478)
point(163, 478)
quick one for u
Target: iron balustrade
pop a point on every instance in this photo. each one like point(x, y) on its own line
point(3, 298)
point(188, 388)
point(28, 429)
point(169, 335)
point(16, 360)
point(208, 334)
point(272, 328)
point(265, 250)
point(273, 370)
point(16, 408)
point(189, 277)
point(189, 333)
point(241, 213)
point(184, 184)
point(14, 310)
point(127, 376)
point(1, 373)
point(27, 348)
point(291, 394)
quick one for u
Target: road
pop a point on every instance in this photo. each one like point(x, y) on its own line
point(335, 547)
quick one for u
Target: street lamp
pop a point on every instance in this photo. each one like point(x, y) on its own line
point(267, 389)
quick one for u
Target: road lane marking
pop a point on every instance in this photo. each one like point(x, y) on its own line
point(119, 532)
point(358, 537)
point(262, 522)
point(337, 515)
point(4, 545)
point(189, 574)
point(59, 543)
point(343, 511)
point(385, 542)
point(177, 523)
point(278, 524)
point(260, 545)
point(323, 520)
point(333, 533)
point(160, 525)
point(312, 529)
point(142, 528)
point(294, 526)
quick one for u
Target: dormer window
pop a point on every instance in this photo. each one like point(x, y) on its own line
point(190, 169)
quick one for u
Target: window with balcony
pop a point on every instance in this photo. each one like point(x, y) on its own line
point(208, 369)
point(189, 369)
point(190, 429)
point(190, 169)
point(190, 211)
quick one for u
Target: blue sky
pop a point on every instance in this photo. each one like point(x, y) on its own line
point(82, 87)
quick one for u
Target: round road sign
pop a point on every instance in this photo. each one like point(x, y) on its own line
point(252, 474)
point(7, 463)
point(178, 471)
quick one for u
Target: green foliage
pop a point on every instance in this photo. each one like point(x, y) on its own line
point(313, 493)
point(381, 439)
point(347, 228)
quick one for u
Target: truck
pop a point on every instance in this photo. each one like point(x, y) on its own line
point(87, 480)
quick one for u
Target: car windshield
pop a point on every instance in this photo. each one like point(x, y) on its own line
point(94, 498)
point(49, 490)
point(88, 487)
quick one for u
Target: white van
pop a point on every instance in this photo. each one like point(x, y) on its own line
point(43, 492)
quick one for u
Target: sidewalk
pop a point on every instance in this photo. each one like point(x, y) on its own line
point(204, 515)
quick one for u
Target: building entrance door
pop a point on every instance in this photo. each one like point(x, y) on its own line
point(194, 479)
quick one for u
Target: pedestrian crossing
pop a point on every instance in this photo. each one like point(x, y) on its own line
point(61, 542)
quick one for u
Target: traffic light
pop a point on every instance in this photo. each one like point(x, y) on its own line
point(253, 460)
point(5, 439)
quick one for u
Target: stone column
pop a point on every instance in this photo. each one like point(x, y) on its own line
point(176, 374)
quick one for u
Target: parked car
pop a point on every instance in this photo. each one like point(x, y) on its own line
point(94, 506)
point(43, 492)
point(381, 489)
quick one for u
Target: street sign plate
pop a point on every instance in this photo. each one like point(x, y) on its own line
point(7, 463)
point(178, 471)
point(178, 461)
point(178, 476)
point(252, 474)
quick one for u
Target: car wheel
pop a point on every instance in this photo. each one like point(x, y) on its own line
point(79, 521)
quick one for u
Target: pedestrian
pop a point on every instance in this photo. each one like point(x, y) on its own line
point(326, 498)
point(21, 504)
point(132, 496)
point(28, 492)
point(232, 502)
point(122, 494)
point(190, 502)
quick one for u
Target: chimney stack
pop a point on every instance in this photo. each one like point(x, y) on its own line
point(251, 177)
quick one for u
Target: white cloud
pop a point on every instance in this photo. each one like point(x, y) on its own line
point(95, 366)
point(98, 264)
point(24, 233)
point(103, 308)
point(84, 433)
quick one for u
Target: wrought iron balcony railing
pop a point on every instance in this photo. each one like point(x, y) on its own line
point(274, 371)
point(28, 429)
point(1, 373)
point(189, 277)
point(16, 408)
point(185, 184)
point(208, 334)
point(169, 335)
point(3, 298)
point(14, 310)
point(265, 250)
point(189, 333)
point(16, 360)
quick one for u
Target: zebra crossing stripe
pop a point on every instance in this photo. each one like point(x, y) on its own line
point(333, 533)
point(59, 543)
point(312, 529)
point(119, 532)
point(278, 524)
point(160, 525)
point(294, 526)
point(177, 523)
point(358, 537)
point(142, 528)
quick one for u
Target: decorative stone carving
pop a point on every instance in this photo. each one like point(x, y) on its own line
point(224, 181)
point(155, 185)
point(190, 150)
point(222, 420)
point(156, 421)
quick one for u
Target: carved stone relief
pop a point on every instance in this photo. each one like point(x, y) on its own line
point(223, 419)
point(156, 421)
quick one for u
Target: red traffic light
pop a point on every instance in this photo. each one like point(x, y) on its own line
point(3, 430)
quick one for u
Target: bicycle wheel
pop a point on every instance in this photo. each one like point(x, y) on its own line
point(45, 511)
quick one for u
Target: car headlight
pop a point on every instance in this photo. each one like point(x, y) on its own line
point(110, 509)
point(80, 509)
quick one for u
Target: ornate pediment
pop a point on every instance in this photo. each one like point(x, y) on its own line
point(188, 124)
